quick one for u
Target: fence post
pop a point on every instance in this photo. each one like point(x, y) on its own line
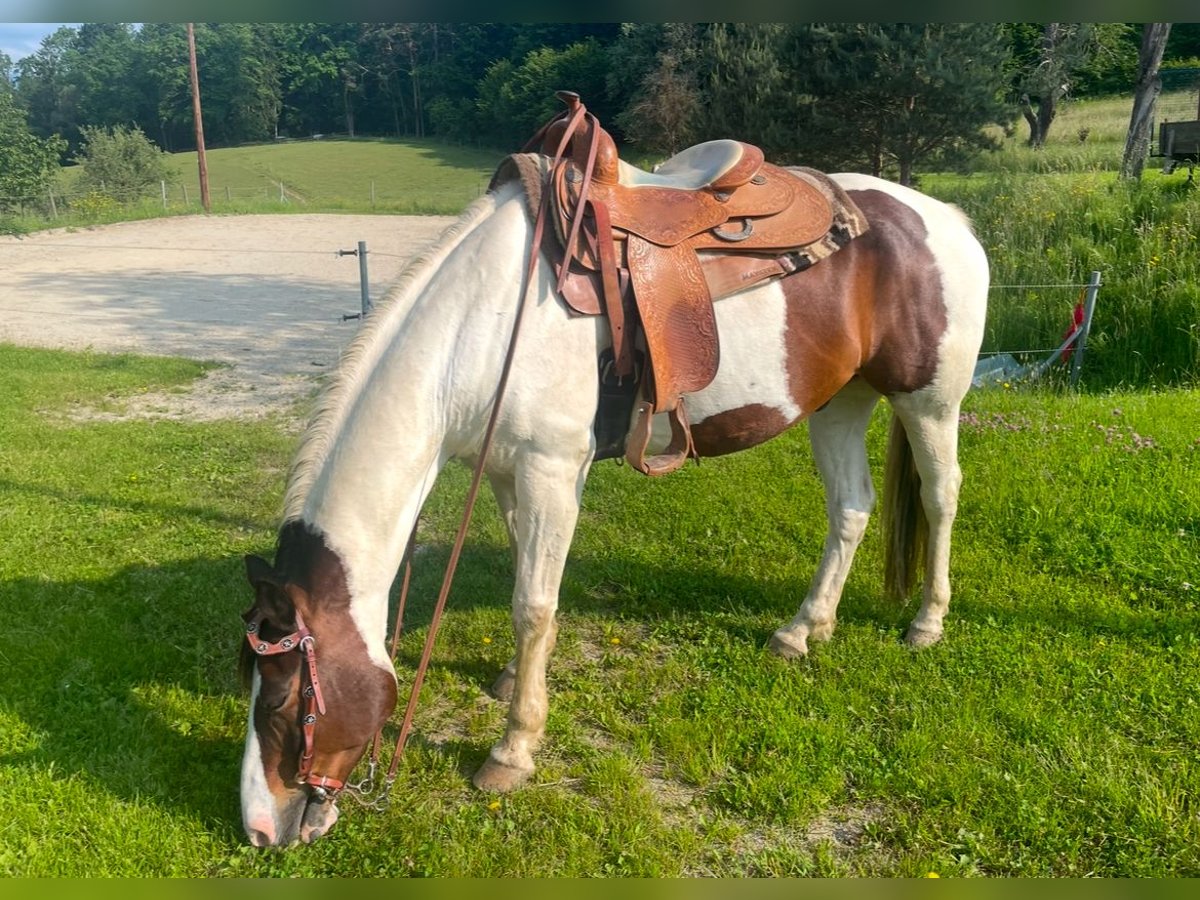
point(185, 196)
point(228, 194)
point(164, 193)
point(53, 207)
point(1089, 307)
point(362, 277)
point(282, 196)
point(372, 193)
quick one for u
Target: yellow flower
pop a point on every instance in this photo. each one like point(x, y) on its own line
point(494, 806)
point(932, 875)
point(487, 640)
point(614, 641)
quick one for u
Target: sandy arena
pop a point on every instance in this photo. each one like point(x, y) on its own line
point(264, 295)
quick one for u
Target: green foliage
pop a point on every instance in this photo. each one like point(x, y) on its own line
point(27, 163)
point(121, 162)
point(1056, 229)
point(515, 100)
point(1051, 734)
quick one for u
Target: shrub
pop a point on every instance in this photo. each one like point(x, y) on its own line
point(121, 162)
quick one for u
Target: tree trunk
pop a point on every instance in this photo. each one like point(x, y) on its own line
point(1137, 141)
point(1042, 118)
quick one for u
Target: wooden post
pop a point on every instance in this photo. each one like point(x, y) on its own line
point(164, 193)
point(53, 208)
point(199, 118)
point(228, 194)
point(185, 196)
point(1089, 307)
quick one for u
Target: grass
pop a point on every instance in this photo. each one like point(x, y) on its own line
point(361, 175)
point(1052, 734)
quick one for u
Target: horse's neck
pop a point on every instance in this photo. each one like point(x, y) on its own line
point(417, 395)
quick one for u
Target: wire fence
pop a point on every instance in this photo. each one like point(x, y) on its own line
point(55, 203)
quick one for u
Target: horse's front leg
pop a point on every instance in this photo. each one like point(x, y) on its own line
point(548, 489)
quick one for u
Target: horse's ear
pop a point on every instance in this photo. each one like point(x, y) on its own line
point(259, 572)
point(269, 595)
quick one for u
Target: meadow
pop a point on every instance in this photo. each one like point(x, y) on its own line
point(1051, 734)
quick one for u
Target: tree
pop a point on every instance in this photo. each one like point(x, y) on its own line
point(1049, 66)
point(1137, 141)
point(892, 97)
point(27, 162)
point(664, 112)
point(121, 162)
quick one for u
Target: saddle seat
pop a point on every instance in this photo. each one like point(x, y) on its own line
point(655, 249)
point(719, 165)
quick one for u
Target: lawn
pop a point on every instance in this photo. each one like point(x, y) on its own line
point(1053, 733)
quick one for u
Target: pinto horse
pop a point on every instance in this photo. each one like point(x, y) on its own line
point(898, 312)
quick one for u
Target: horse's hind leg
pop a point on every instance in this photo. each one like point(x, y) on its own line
point(931, 424)
point(838, 436)
point(548, 488)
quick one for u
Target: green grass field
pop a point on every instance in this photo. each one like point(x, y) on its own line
point(1052, 733)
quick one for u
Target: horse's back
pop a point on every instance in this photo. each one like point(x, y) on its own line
point(901, 307)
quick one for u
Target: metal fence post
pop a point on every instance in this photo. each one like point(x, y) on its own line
point(1089, 307)
point(362, 278)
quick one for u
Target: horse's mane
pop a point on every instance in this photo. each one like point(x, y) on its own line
point(363, 353)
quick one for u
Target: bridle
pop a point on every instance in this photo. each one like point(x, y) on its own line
point(302, 640)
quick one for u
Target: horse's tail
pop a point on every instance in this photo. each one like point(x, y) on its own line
point(905, 527)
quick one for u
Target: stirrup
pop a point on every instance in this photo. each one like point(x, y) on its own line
point(678, 450)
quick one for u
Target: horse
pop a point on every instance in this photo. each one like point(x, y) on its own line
point(897, 313)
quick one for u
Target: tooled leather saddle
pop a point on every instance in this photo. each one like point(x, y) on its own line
point(651, 251)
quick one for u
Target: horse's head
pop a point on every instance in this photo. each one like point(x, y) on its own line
point(317, 698)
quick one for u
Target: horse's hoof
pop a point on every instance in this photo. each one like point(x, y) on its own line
point(788, 646)
point(919, 637)
point(499, 778)
point(502, 687)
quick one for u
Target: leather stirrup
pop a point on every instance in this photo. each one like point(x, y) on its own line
point(678, 450)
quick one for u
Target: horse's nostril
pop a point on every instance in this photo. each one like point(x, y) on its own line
point(259, 839)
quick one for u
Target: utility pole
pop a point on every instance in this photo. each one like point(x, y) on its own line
point(196, 114)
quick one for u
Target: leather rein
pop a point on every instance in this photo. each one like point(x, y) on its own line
point(366, 792)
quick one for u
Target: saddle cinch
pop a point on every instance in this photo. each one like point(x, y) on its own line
point(653, 250)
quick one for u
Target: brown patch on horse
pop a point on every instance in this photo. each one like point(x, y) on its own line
point(738, 429)
point(308, 576)
point(874, 308)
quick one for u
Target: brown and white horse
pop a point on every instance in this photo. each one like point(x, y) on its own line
point(899, 312)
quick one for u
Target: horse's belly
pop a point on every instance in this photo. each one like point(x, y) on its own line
point(749, 401)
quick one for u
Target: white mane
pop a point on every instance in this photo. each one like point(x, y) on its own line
point(363, 353)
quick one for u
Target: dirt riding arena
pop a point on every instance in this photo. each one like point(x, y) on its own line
point(264, 295)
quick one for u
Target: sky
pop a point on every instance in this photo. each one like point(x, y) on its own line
point(19, 39)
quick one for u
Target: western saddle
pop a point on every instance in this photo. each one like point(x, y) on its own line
point(655, 249)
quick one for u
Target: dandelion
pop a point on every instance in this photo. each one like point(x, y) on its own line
point(616, 641)
point(487, 640)
point(494, 806)
point(932, 875)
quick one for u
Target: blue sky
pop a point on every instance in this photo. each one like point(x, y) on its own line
point(19, 39)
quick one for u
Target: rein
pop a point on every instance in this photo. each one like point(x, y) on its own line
point(365, 792)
